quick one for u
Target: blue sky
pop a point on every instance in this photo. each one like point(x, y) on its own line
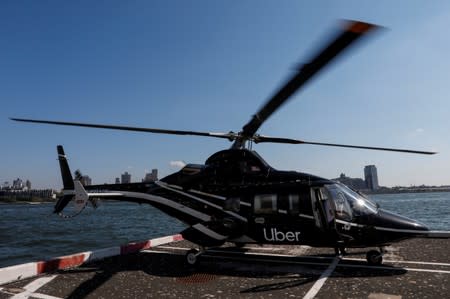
point(208, 66)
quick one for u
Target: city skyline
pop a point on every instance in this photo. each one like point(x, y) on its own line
point(357, 183)
point(209, 67)
point(19, 184)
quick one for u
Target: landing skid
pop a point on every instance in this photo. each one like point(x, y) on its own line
point(373, 257)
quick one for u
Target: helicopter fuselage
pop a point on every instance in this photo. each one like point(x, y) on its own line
point(236, 196)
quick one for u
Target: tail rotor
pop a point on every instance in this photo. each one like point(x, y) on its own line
point(73, 189)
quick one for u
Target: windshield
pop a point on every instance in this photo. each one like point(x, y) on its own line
point(349, 203)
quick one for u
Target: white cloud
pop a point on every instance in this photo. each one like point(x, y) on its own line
point(177, 164)
point(419, 130)
point(416, 132)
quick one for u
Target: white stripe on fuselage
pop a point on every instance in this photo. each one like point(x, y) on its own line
point(388, 229)
point(205, 194)
point(209, 232)
point(166, 186)
point(397, 230)
point(244, 203)
point(158, 199)
point(349, 223)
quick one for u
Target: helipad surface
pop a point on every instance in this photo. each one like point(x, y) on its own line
point(412, 269)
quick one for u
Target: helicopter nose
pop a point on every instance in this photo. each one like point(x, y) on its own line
point(391, 221)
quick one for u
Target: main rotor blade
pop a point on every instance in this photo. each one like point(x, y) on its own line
point(353, 31)
point(127, 128)
point(260, 138)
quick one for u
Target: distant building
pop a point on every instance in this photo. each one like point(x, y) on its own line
point(371, 177)
point(151, 177)
point(117, 181)
point(28, 195)
point(126, 178)
point(17, 184)
point(86, 180)
point(355, 183)
point(28, 184)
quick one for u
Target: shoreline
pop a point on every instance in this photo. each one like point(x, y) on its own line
point(25, 201)
point(12, 200)
point(395, 191)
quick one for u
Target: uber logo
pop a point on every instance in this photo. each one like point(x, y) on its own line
point(276, 235)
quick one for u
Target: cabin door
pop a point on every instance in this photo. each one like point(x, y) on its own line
point(323, 209)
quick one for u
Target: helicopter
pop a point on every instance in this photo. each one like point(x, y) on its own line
point(237, 197)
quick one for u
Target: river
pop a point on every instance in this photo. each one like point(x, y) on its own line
point(30, 232)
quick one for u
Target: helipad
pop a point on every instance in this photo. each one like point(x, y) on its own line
point(412, 269)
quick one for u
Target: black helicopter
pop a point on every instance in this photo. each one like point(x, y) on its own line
point(237, 197)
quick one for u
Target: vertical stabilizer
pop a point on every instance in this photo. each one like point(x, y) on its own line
point(65, 170)
point(81, 196)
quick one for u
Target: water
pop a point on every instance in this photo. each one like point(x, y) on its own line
point(32, 232)
point(432, 209)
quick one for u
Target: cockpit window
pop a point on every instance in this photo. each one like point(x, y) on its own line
point(349, 203)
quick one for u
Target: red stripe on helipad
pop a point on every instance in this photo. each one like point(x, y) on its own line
point(17, 272)
point(177, 238)
point(134, 247)
point(60, 263)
